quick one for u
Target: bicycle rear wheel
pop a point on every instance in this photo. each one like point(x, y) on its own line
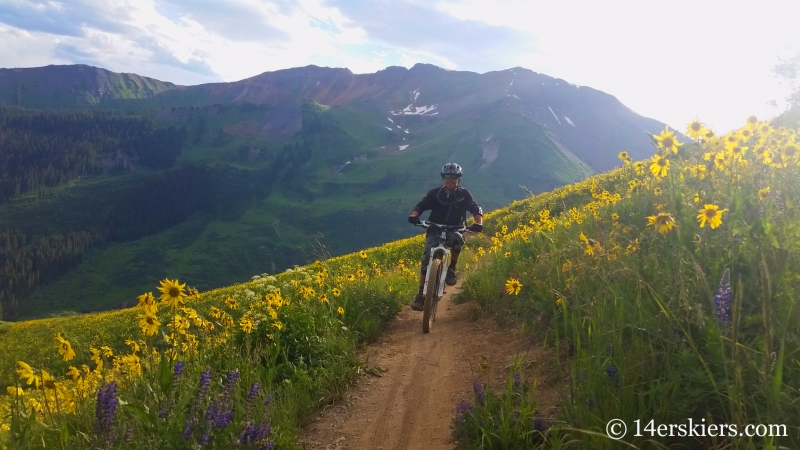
point(429, 310)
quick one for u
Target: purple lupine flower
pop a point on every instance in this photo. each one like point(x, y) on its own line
point(478, 389)
point(230, 382)
point(202, 391)
point(106, 409)
point(218, 415)
point(176, 380)
point(188, 429)
point(177, 371)
point(253, 434)
point(205, 380)
point(722, 298)
point(462, 410)
point(612, 372)
point(268, 400)
point(205, 439)
point(590, 403)
point(253, 392)
point(517, 379)
point(211, 412)
point(538, 423)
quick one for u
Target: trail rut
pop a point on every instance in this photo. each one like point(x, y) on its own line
point(423, 377)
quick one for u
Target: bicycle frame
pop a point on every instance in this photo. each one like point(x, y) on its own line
point(444, 253)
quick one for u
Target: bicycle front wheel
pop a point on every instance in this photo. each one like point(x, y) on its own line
point(429, 310)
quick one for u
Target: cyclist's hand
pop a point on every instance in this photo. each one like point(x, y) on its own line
point(414, 220)
point(476, 227)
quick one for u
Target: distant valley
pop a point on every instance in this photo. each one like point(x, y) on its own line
point(109, 182)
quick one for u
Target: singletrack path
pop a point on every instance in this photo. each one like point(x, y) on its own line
point(422, 378)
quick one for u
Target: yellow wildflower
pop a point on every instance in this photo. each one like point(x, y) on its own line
point(660, 166)
point(97, 358)
point(340, 310)
point(247, 323)
point(148, 324)
point(133, 345)
point(74, 374)
point(711, 214)
point(362, 253)
point(513, 286)
point(695, 129)
point(663, 222)
point(336, 292)
point(323, 298)
point(148, 303)
point(667, 141)
point(26, 374)
point(763, 193)
point(215, 313)
point(172, 292)
point(231, 303)
point(64, 348)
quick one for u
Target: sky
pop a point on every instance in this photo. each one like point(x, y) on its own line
point(668, 60)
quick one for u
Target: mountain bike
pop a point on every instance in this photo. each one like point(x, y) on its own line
point(449, 236)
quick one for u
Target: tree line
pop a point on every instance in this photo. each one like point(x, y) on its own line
point(23, 267)
point(148, 204)
point(45, 148)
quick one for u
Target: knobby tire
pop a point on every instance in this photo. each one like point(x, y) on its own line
point(429, 310)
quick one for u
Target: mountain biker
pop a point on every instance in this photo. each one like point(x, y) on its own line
point(448, 204)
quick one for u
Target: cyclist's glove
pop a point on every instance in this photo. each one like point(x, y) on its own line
point(413, 220)
point(476, 227)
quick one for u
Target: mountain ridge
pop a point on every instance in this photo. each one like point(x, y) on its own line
point(269, 170)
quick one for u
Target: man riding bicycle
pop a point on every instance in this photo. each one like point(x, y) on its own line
point(448, 204)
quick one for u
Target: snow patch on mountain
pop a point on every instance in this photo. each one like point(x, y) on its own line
point(402, 147)
point(390, 119)
point(554, 114)
point(412, 110)
point(569, 121)
point(388, 128)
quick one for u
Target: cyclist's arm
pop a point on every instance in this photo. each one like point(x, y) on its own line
point(474, 208)
point(425, 204)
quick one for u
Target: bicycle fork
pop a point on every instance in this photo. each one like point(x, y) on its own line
point(441, 253)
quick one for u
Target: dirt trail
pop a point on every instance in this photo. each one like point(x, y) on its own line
point(412, 403)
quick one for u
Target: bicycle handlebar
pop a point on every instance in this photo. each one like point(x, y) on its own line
point(426, 224)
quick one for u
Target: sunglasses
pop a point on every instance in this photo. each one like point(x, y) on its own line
point(450, 177)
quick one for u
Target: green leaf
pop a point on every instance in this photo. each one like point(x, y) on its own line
point(142, 413)
point(165, 375)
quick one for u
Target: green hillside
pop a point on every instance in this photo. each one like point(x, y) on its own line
point(222, 180)
point(665, 290)
point(236, 203)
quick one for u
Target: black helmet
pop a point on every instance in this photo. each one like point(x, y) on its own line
point(451, 169)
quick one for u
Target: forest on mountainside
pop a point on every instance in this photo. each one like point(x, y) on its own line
point(71, 181)
point(41, 149)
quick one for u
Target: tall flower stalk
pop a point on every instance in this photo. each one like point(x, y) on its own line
point(722, 298)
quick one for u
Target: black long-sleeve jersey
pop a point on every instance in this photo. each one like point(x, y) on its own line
point(448, 209)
